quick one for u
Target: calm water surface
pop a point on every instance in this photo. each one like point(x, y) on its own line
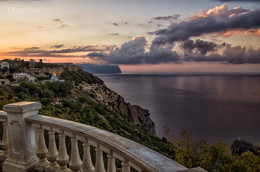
point(212, 107)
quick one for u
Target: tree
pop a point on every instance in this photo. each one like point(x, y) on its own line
point(6, 99)
point(212, 157)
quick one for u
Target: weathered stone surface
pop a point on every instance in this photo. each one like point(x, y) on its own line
point(140, 155)
point(21, 107)
point(22, 141)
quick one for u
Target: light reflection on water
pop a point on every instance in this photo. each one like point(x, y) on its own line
point(212, 107)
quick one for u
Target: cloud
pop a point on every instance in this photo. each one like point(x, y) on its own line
point(115, 24)
point(133, 52)
point(231, 55)
point(63, 26)
point(200, 46)
point(118, 24)
point(217, 20)
point(57, 20)
point(130, 52)
point(60, 22)
point(166, 18)
point(114, 34)
point(57, 46)
point(181, 36)
point(31, 49)
point(57, 52)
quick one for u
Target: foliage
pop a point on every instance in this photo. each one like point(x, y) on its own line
point(6, 99)
point(59, 100)
point(80, 76)
point(212, 157)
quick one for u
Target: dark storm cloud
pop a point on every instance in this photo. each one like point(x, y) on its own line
point(231, 55)
point(165, 18)
point(133, 52)
point(199, 45)
point(162, 54)
point(209, 24)
point(57, 46)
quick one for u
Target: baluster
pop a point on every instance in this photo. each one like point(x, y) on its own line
point(52, 153)
point(99, 166)
point(125, 166)
point(63, 157)
point(75, 161)
point(87, 165)
point(41, 152)
point(5, 142)
point(111, 162)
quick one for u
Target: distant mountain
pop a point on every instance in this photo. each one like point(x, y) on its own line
point(100, 68)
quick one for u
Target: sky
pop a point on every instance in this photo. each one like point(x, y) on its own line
point(141, 36)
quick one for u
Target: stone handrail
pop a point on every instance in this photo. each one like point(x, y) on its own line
point(28, 148)
point(141, 157)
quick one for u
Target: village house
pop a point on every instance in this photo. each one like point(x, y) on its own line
point(23, 75)
point(4, 64)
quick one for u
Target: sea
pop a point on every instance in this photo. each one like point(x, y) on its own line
point(212, 107)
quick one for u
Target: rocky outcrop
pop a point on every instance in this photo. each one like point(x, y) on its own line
point(100, 68)
point(114, 102)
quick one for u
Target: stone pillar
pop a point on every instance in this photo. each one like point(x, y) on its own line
point(125, 166)
point(75, 161)
point(22, 141)
point(111, 167)
point(87, 165)
point(99, 165)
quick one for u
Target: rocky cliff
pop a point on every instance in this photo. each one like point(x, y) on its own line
point(103, 95)
point(79, 83)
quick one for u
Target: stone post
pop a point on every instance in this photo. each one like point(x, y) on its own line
point(99, 165)
point(22, 141)
point(111, 167)
point(87, 165)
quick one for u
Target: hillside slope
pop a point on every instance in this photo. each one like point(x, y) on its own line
point(86, 99)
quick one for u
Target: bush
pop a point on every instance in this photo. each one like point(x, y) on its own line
point(212, 157)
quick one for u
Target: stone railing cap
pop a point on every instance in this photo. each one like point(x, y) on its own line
point(22, 107)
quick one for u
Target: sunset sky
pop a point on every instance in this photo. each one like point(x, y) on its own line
point(142, 36)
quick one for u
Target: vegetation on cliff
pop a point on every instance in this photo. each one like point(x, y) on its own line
point(84, 98)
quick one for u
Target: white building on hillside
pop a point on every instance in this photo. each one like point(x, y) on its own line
point(4, 64)
point(23, 75)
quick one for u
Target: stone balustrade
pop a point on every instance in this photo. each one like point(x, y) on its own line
point(24, 147)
